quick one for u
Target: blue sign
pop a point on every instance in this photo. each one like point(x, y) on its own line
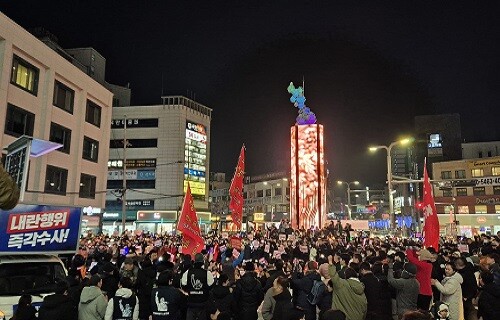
point(32, 228)
point(146, 174)
point(195, 173)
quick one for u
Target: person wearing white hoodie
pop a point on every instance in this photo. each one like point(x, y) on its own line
point(451, 291)
point(125, 304)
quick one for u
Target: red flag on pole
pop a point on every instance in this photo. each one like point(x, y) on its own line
point(192, 241)
point(431, 221)
point(236, 191)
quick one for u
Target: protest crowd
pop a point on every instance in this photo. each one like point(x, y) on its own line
point(276, 273)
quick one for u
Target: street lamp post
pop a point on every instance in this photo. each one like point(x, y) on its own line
point(348, 184)
point(389, 174)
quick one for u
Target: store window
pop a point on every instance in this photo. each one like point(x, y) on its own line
point(497, 208)
point(93, 114)
point(445, 174)
point(480, 209)
point(460, 174)
point(477, 173)
point(260, 193)
point(90, 149)
point(447, 193)
point(24, 75)
point(87, 186)
point(19, 121)
point(463, 209)
point(64, 97)
point(278, 191)
point(55, 180)
point(495, 171)
point(461, 192)
point(268, 192)
point(496, 190)
point(62, 135)
point(479, 191)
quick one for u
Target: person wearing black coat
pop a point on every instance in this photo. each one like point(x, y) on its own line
point(248, 295)
point(145, 282)
point(273, 274)
point(25, 310)
point(373, 291)
point(284, 309)
point(469, 286)
point(325, 299)
point(221, 295)
point(167, 302)
point(302, 285)
point(58, 306)
point(385, 301)
point(489, 299)
point(109, 280)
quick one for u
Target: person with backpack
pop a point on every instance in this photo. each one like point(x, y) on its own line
point(303, 285)
point(125, 304)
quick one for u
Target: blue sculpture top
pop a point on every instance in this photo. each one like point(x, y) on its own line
point(306, 116)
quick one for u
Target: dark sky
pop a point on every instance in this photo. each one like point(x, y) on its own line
point(369, 67)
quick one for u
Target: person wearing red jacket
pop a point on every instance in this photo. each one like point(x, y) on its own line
point(422, 259)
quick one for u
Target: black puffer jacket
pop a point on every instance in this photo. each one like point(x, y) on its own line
point(221, 297)
point(302, 287)
point(489, 302)
point(58, 307)
point(248, 295)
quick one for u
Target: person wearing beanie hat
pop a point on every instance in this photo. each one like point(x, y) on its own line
point(423, 262)
point(248, 294)
point(407, 288)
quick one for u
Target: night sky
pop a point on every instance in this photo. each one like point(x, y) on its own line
point(369, 67)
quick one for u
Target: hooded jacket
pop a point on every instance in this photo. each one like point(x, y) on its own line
point(489, 302)
point(248, 295)
point(451, 294)
point(92, 304)
point(58, 307)
point(407, 290)
point(222, 298)
point(122, 293)
point(348, 296)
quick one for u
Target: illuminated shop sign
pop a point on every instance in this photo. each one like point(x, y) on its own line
point(132, 174)
point(134, 123)
point(133, 163)
point(195, 159)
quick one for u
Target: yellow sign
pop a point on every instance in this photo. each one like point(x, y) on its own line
point(258, 216)
point(484, 163)
point(196, 187)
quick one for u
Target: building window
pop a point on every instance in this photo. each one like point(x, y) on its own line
point(134, 143)
point(460, 174)
point(278, 191)
point(480, 209)
point(477, 173)
point(19, 122)
point(480, 154)
point(245, 195)
point(463, 209)
point(447, 193)
point(93, 114)
point(268, 192)
point(62, 135)
point(64, 97)
point(133, 184)
point(90, 149)
point(495, 171)
point(87, 186)
point(497, 208)
point(55, 180)
point(496, 190)
point(24, 75)
point(479, 191)
point(445, 174)
point(489, 153)
point(461, 192)
point(260, 193)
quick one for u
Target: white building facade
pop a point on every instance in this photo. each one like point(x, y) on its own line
point(44, 96)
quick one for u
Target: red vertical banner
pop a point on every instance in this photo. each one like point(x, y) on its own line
point(192, 241)
point(236, 191)
point(431, 221)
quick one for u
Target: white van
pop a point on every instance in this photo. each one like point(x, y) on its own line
point(34, 274)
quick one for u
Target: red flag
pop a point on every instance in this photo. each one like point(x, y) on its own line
point(236, 191)
point(431, 221)
point(216, 252)
point(188, 225)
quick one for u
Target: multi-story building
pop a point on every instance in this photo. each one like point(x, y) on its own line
point(168, 145)
point(472, 150)
point(47, 97)
point(469, 192)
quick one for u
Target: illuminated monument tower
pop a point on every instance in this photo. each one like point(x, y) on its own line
point(308, 176)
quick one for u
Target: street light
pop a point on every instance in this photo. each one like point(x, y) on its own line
point(348, 184)
point(389, 172)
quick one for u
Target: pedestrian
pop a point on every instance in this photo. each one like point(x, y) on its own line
point(109, 280)
point(221, 294)
point(423, 260)
point(125, 304)
point(93, 303)
point(451, 291)
point(248, 294)
point(489, 298)
point(469, 287)
point(129, 270)
point(25, 310)
point(284, 309)
point(58, 306)
point(167, 302)
point(348, 293)
point(407, 288)
point(302, 283)
point(197, 282)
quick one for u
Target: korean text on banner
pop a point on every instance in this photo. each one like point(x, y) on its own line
point(31, 228)
point(192, 241)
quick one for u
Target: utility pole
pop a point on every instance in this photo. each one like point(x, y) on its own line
point(124, 184)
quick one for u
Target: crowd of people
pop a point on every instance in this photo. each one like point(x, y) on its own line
point(276, 274)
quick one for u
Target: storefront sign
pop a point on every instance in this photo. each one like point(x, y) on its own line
point(492, 200)
point(166, 216)
point(133, 163)
point(132, 174)
point(484, 163)
point(134, 123)
point(488, 181)
point(31, 228)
